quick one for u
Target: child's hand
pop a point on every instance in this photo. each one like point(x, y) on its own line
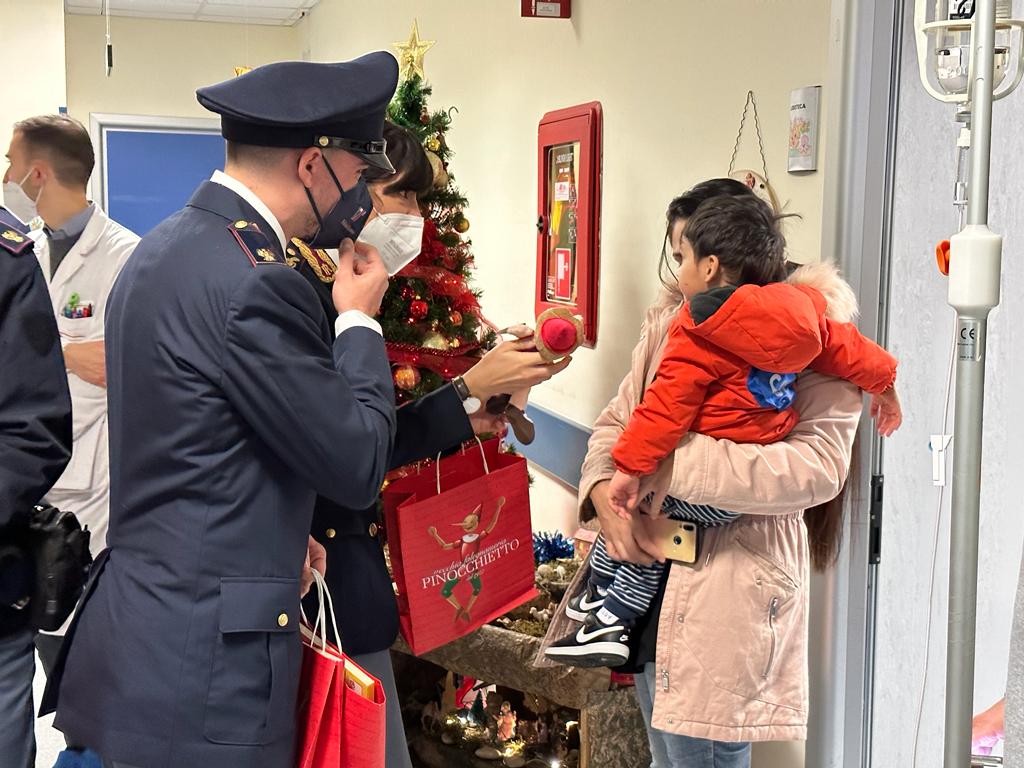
point(624, 494)
point(886, 411)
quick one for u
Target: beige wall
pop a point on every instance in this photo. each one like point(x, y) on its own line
point(159, 64)
point(32, 60)
point(672, 78)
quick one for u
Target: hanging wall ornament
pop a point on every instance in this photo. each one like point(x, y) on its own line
point(756, 181)
point(440, 173)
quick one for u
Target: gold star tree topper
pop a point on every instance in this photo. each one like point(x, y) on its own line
point(411, 53)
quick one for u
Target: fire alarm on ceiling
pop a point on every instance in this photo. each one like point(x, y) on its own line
point(552, 9)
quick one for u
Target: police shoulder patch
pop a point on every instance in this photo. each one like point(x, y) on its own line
point(13, 234)
point(255, 244)
point(322, 265)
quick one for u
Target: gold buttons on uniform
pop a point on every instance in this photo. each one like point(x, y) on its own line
point(241, 224)
point(282, 620)
point(373, 529)
point(323, 141)
point(331, 533)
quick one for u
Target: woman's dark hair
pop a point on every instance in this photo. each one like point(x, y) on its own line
point(825, 521)
point(412, 168)
point(684, 206)
point(743, 232)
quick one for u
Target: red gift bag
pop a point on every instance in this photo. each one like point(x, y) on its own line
point(341, 706)
point(461, 544)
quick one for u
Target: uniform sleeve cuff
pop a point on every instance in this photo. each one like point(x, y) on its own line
point(353, 318)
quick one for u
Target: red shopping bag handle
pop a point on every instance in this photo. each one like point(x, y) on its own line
point(483, 455)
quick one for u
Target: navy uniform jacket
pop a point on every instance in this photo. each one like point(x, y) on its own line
point(228, 414)
point(35, 407)
point(364, 600)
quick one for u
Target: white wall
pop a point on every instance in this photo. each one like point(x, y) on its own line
point(672, 78)
point(158, 65)
point(920, 335)
point(32, 60)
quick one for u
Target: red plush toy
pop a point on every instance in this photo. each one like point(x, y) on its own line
point(559, 332)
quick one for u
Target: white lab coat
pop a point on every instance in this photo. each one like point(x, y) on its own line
point(89, 269)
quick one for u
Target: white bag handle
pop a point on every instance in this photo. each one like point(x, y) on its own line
point(319, 635)
point(487, 469)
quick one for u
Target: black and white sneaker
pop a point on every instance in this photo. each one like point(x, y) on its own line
point(582, 605)
point(594, 645)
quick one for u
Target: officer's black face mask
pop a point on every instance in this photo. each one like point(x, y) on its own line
point(345, 219)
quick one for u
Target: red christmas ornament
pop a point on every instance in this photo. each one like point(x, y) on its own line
point(407, 292)
point(418, 310)
point(455, 317)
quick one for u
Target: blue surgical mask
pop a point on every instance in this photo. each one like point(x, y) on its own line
point(346, 219)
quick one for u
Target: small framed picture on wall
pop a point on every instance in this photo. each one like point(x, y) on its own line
point(804, 116)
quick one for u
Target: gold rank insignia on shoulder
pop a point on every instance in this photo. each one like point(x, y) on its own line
point(321, 264)
point(14, 242)
point(254, 243)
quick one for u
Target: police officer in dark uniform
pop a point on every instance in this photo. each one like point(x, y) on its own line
point(357, 576)
point(230, 410)
point(35, 445)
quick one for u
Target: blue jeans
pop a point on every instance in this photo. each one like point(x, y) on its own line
point(17, 734)
point(669, 750)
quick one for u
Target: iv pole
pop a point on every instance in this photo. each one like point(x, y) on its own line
point(974, 274)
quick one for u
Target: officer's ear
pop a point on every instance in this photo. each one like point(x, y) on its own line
point(309, 158)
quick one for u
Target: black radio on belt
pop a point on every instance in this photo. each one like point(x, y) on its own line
point(49, 561)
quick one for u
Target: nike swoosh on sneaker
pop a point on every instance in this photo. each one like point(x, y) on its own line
point(585, 606)
point(583, 636)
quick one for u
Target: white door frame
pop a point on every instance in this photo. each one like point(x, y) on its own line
point(865, 49)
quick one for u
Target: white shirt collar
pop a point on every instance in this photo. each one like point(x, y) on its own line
point(240, 189)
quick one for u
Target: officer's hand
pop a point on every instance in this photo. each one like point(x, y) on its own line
point(316, 559)
point(509, 367)
point(360, 280)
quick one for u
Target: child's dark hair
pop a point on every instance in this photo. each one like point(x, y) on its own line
point(684, 206)
point(744, 234)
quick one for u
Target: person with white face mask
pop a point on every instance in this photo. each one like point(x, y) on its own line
point(81, 252)
point(387, 216)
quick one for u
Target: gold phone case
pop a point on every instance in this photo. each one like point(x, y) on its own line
point(680, 539)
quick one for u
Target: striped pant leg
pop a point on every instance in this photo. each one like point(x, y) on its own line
point(602, 567)
point(633, 589)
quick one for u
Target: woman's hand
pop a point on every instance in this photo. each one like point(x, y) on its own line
point(628, 541)
point(511, 366)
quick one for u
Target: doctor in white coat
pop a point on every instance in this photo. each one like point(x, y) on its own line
point(81, 251)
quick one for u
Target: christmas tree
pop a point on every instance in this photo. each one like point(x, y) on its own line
point(430, 314)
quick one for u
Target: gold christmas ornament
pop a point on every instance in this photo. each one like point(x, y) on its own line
point(433, 144)
point(406, 377)
point(461, 224)
point(411, 53)
point(435, 341)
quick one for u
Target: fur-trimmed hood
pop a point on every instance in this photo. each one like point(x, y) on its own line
point(824, 276)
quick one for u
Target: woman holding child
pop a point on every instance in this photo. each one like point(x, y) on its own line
point(721, 651)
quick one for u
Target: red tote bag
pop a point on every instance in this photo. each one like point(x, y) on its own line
point(341, 706)
point(461, 544)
